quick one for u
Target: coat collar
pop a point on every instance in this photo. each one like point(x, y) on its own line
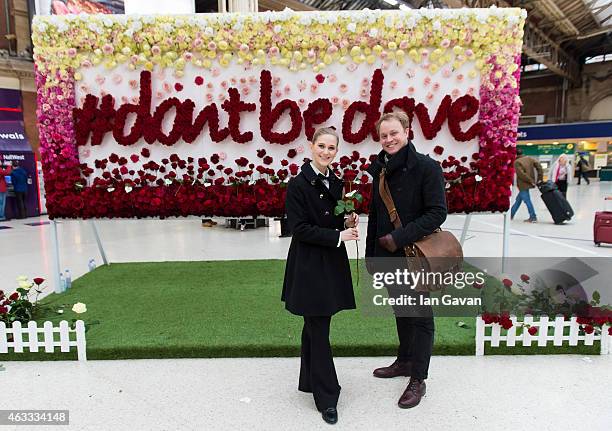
point(406, 157)
point(335, 184)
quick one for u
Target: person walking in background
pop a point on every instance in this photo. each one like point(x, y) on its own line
point(526, 178)
point(559, 173)
point(5, 170)
point(19, 178)
point(582, 165)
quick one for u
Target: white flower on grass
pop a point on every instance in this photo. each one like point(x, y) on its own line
point(79, 308)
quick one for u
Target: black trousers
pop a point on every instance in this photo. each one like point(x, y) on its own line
point(317, 371)
point(21, 207)
point(562, 186)
point(581, 175)
point(416, 339)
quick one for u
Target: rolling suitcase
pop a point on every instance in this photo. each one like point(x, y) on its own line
point(602, 227)
point(559, 208)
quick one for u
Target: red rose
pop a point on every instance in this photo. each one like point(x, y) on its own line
point(242, 161)
point(291, 153)
point(477, 285)
point(525, 278)
point(438, 150)
point(532, 330)
point(134, 158)
point(214, 158)
point(588, 329)
point(3, 310)
point(228, 171)
point(145, 152)
point(38, 281)
point(320, 78)
point(113, 158)
point(199, 80)
point(261, 153)
point(14, 296)
point(284, 162)
point(268, 160)
point(610, 330)
point(293, 168)
point(178, 86)
point(507, 283)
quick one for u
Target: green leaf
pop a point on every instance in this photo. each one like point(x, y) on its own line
point(596, 297)
point(358, 197)
point(339, 208)
point(350, 206)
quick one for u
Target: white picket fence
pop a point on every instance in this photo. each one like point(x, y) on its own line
point(49, 341)
point(542, 338)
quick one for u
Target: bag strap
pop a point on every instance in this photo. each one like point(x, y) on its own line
point(385, 194)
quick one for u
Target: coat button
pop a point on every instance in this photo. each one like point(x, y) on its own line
point(321, 196)
point(313, 182)
point(326, 212)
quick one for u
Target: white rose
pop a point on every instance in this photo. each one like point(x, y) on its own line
point(22, 278)
point(25, 284)
point(79, 308)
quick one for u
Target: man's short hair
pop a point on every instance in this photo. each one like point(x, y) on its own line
point(519, 151)
point(396, 115)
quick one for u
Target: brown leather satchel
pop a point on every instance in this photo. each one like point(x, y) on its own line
point(439, 252)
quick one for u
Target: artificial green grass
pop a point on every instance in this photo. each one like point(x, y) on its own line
point(223, 309)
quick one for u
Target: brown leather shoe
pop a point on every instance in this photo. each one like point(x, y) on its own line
point(394, 370)
point(413, 394)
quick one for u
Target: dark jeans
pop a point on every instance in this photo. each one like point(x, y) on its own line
point(21, 207)
point(416, 338)
point(317, 371)
point(562, 186)
point(582, 174)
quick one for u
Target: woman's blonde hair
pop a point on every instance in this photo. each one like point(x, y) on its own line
point(325, 131)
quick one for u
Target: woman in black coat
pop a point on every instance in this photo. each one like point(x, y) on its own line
point(317, 276)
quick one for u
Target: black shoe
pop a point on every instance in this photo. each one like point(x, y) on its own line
point(330, 415)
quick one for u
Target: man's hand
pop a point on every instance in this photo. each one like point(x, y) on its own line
point(388, 243)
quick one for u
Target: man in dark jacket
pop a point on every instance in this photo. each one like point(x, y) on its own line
point(19, 178)
point(416, 184)
point(528, 174)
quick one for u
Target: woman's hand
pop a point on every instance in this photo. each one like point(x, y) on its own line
point(349, 234)
point(352, 220)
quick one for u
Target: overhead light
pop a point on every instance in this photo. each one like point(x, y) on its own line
point(530, 143)
point(391, 2)
point(404, 7)
point(556, 143)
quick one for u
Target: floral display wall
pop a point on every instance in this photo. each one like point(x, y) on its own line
point(210, 114)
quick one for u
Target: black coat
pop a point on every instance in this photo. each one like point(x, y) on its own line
point(417, 186)
point(317, 276)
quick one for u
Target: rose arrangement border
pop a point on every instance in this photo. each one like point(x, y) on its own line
point(490, 38)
